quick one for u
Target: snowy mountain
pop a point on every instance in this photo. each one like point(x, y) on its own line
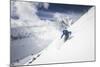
point(31, 36)
point(79, 48)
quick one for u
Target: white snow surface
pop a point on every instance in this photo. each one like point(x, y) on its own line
point(79, 48)
point(46, 39)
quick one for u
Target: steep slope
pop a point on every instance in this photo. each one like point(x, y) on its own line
point(79, 48)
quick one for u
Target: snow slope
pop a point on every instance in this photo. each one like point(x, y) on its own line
point(28, 41)
point(79, 48)
point(30, 37)
point(29, 34)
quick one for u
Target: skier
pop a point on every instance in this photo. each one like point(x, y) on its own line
point(66, 33)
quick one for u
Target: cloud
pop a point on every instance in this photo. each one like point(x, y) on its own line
point(46, 5)
point(25, 13)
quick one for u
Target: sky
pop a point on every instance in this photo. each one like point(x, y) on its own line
point(46, 11)
point(73, 11)
point(39, 18)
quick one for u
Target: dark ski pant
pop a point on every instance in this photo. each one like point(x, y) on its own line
point(66, 33)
